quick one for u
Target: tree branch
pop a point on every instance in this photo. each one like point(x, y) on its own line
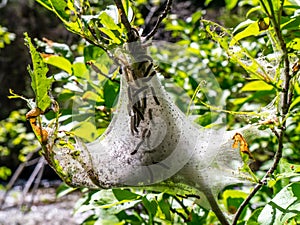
point(123, 15)
point(286, 97)
point(214, 206)
point(160, 19)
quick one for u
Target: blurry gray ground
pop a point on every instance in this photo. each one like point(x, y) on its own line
point(46, 209)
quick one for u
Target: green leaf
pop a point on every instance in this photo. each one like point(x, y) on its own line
point(253, 218)
point(230, 4)
point(151, 206)
point(108, 22)
point(257, 86)
point(86, 130)
point(197, 16)
point(65, 11)
point(63, 190)
point(124, 194)
point(80, 70)
point(4, 172)
point(59, 62)
point(284, 206)
point(295, 102)
point(252, 10)
point(60, 8)
point(110, 93)
point(165, 207)
point(233, 199)
point(39, 81)
point(92, 96)
point(91, 52)
point(110, 34)
point(250, 30)
point(294, 44)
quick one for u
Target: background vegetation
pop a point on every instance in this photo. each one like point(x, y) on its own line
point(250, 47)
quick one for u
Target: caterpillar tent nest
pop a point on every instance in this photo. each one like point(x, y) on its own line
point(149, 143)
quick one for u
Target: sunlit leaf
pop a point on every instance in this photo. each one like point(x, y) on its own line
point(86, 130)
point(110, 34)
point(284, 206)
point(250, 30)
point(46, 4)
point(90, 95)
point(233, 199)
point(59, 62)
point(108, 21)
point(65, 11)
point(80, 70)
point(4, 172)
point(230, 4)
point(39, 81)
point(257, 86)
point(165, 206)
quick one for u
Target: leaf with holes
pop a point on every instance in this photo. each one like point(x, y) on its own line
point(39, 81)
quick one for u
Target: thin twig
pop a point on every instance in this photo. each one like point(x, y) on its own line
point(160, 19)
point(245, 202)
point(97, 70)
point(285, 105)
point(263, 181)
point(214, 206)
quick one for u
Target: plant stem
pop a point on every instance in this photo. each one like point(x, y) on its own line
point(214, 206)
point(286, 97)
point(123, 15)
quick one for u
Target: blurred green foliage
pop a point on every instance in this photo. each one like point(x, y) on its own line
point(16, 141)
point(5, 37)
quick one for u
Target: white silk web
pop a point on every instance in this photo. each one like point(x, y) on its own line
point(159, 149)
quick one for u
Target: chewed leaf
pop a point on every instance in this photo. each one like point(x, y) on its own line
point(239, 140)
point(41, 133)
point(39, 81)
point(33, 113)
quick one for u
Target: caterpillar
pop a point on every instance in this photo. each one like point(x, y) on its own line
point(137, 147)
point(137, 92)
point(138, 74)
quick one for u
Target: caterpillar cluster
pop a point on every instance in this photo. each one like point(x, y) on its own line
point(138, 76)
